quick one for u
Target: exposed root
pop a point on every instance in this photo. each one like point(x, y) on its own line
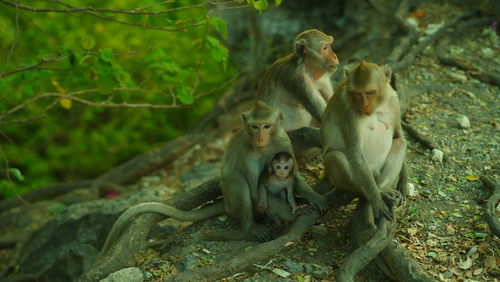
point(491, 205)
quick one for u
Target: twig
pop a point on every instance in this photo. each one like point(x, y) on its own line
point(34, 67)
point(14, 41)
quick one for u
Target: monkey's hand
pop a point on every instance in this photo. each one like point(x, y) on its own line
point(262, 232)
point(381, 208)
point(262, 207)
point(302, 209)
point(393, 198)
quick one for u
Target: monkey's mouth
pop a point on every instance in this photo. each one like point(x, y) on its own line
point(332, 67)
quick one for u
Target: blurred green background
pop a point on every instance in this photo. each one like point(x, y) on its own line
point(119, 63)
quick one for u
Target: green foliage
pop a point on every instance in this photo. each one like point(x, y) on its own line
point(117, 64)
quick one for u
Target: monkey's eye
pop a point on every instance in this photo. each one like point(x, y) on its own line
point(278, 167)
point(267, 126)
point(254, 126)
point(286, 167)
point(326, 47)
point(370, 92)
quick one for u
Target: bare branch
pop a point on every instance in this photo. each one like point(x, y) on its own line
point(136, 11)
point(72, 96)
point(16, 33)
point(36, 66)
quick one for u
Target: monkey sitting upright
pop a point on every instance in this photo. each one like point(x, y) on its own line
point(299, 85)
point(278, 180)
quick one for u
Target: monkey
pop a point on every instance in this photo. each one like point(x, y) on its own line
point(363, 142)
point(248, 154)
point(278, 180)
point(299, 85)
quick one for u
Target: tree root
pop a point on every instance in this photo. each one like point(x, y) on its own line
point(493, 201)
point(418, 137)
point(241, 262)
point(365, 253)
point(411, 56)
point(125, 173)
point(393, 259)
point(473, 71)
point(133, 239)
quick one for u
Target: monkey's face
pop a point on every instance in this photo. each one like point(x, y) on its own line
point(282, 168)
point(261, 134)
point(329, 58)
point(365, 100)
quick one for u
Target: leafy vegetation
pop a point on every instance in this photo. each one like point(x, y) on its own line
point(85, 89)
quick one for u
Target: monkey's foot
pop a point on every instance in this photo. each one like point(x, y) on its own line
point(262, 232)
point(261, 208)
point(302, 209)
point(320, 203)
point(393, 198)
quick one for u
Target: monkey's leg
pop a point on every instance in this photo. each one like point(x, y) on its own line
point(239, 205)
point(356, 178)
point(304, 138)
point(279, 208)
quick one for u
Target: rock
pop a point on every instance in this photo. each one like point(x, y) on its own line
point(23, 221)
point(147, 275)
point(186, 263)
point(131, 274)
point(162, 230)
point(200, 173)
point(293, 267)
point(319, 232)
point(437, 155)
point(321, 272)
point(463, 121)
point(487, 52)
point(412, 190)
point(458, 76)
point(308, 268)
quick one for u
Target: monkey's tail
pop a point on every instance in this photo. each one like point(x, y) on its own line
point(154, 207)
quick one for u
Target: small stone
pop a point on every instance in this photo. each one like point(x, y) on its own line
point(488, 52)
point(437, 155)
point(458, 76)
point(412, 190)
point(147, 275)
point(308, 268)
point(321, 272)
point(131, 274)
point(293, 267)
point(463, 121)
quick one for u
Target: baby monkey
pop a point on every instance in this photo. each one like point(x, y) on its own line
point(278, 180)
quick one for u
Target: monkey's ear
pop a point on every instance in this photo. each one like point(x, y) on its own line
point(387, 72)
point(244, 118)
point(270, 169)
point(280, 116)
point(299, 47)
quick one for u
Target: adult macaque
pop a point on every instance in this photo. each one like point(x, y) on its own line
point(299, 84)
point(363, 143)
point(248, 154)
point(278, 180)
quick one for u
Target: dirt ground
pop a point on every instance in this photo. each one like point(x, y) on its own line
point(442, 223)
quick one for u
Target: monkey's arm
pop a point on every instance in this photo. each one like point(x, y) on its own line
point(262, 203)
point(290, 196)
point(390, 172)
point(308, 96)
point(303, 189)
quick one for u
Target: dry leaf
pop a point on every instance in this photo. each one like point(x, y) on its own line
point(289, 243)
point(472, 178)
point(65, 103)
point(490, 262)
